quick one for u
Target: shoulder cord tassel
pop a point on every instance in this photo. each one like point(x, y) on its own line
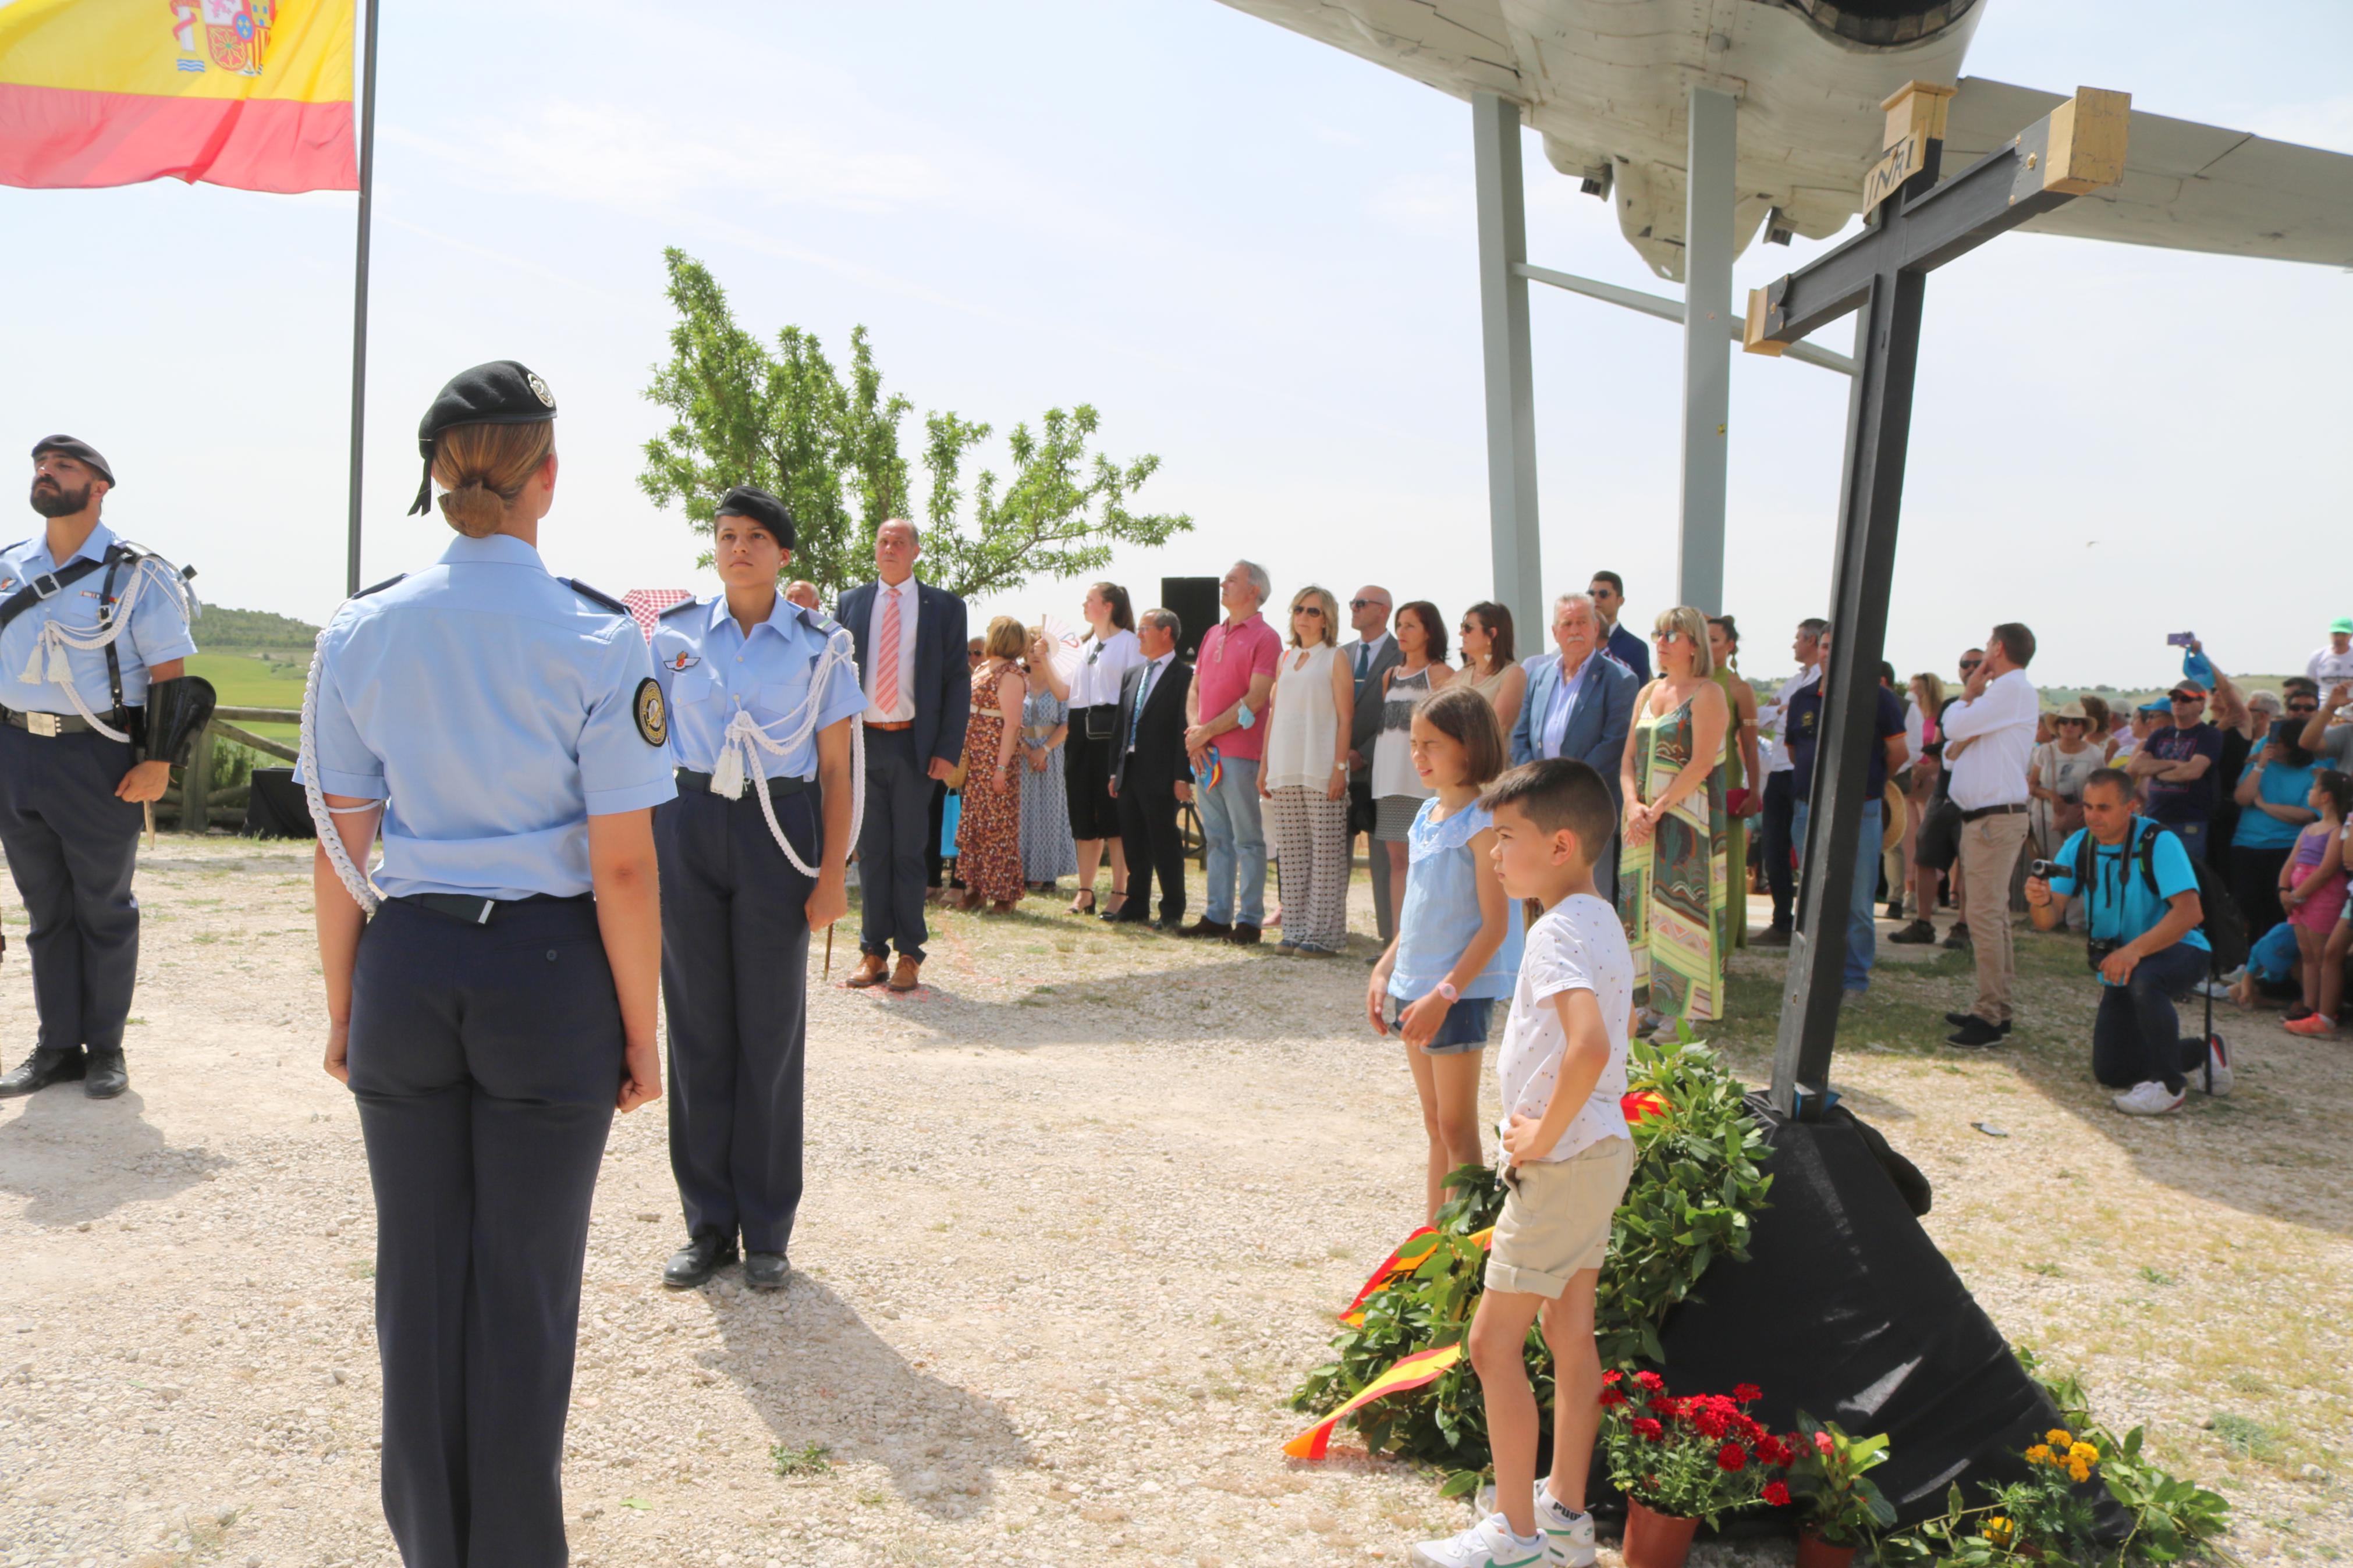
point(743, 740)
point(323, 815)
point(51, 664)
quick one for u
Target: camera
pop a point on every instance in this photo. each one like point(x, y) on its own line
point(2096, 951)
point(2046, 869)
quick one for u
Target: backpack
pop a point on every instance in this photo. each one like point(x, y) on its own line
point(2224, 927)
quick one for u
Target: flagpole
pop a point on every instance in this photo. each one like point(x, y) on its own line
point(360, 298)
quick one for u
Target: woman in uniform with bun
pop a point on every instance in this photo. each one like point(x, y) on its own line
point(492, 986)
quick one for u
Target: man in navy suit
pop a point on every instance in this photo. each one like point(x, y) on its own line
point(1580, 704)
point(911, 660)
point(1608, 591)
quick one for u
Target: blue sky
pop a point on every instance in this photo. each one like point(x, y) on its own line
point(1255, 255)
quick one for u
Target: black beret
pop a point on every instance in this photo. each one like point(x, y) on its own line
point(81, 450)
point(499, 392)
point(750, 500)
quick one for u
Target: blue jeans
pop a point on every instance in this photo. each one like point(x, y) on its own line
point(1862, 936)
point(1229, 821)
point(2137, 1034)
point(2192, 836)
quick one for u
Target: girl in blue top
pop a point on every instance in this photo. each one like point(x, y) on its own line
point(1458, 937)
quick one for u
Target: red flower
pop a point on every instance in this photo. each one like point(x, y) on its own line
point(1745, 1392)
point(1771, 1450)
point(1611, 1399)
point(1650, 1379)
point(1822, 1443)
point(1775, 1494)
point(1612, 1376)
point(1732, 1457)
point(1668, 1405)
point(1647, 1429)
point(1709, 1421)
point(1748, 1429)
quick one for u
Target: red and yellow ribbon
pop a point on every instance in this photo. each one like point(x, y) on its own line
point(1423, 1366)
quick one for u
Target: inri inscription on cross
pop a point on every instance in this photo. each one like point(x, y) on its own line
point(1914, 223)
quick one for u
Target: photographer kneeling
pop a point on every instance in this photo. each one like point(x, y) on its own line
point(2143, 914)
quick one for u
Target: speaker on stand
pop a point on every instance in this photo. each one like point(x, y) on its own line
point(1195, 600)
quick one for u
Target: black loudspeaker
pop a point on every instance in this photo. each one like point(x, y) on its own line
point(1195, 600)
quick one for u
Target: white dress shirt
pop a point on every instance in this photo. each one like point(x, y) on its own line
point(1363, 652)
point(1154, 668)
point(903, 711)
point(1999, 729)
point(1771, 742)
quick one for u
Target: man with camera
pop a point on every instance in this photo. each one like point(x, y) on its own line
point(2143, 915)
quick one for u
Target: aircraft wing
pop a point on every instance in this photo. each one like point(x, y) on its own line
point(2186, 187)
point(1459, 46)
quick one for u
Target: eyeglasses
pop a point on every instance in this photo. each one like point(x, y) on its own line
point(1361, 603)
point(1315, 610)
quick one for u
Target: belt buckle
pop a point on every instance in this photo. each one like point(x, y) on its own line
point(42, 725)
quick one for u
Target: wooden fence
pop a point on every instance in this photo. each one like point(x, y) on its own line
point(200, 806)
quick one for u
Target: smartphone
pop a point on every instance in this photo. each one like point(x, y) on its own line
point(2180, 639)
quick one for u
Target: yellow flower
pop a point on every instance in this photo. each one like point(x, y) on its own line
point(2001, 1531)
point(2039, 1455)
point(2085, 1453)
point(2058, 1438)
point(2078, 1470)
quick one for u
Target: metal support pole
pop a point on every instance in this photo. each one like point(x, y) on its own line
point(1708, 201)
point(1503, 346)
point(360, 298)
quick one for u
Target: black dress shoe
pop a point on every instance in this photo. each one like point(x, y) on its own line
point(765, 1270)
point(698, 1260)
point(105, 1076)
point(40, 1069)
point(1244, 935)
point(1976, 1034)
point(1963, 1020)
point(1205, 926)
point(1173, 928)
point(1140, 918)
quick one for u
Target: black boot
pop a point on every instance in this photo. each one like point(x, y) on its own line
point(40, 1069)
point(105, 1076)
point(698, 1260)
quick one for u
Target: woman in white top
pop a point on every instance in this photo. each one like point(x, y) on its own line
point(1093, 692)
point(1397, 789)
point(1305, 778)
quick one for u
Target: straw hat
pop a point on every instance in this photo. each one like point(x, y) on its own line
point(2073, 710)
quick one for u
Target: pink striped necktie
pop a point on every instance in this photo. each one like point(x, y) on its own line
point(886, 657)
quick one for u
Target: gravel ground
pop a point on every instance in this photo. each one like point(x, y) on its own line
point(1069, 1241)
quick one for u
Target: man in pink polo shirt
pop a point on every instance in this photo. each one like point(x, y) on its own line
point(1232, 681)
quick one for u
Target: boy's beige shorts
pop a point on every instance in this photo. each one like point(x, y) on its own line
point(1555, 1219)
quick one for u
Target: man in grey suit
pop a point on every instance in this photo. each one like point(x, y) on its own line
point(1373, 651)
point(1580, 704)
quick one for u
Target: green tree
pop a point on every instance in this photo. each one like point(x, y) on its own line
point(787, 420)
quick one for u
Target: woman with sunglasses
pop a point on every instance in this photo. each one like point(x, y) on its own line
point(1108, 653)
point(1305, 779)
point(1672, 889)
point(1487, 661)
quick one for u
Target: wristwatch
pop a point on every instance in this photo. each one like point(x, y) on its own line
point(1446, 989)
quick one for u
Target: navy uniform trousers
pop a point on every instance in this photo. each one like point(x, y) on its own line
point(734, 985)
point(485, 1059)
point(891, 879)
point(71, 848)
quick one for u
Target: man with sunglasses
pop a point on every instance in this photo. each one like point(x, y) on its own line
point(1988, 738)
point(2325, 735)
point(2180, 767)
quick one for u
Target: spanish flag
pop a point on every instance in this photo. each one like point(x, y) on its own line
point(251, 93)
point(1411, 1371)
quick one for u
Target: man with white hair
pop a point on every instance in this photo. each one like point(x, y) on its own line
point(1234, 680)
point(1580, 704)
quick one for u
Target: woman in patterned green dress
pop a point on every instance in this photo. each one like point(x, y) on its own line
point(1674, 882)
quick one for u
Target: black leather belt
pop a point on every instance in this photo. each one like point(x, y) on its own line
point(688, 779)
point(2015, 808)
point(467, 910)
point(59, 724)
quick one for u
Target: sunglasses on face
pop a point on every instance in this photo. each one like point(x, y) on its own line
point(1361, 603)
point(1315, 610)
point(2304, 706)
point(1971, 663)
point(2182, 696)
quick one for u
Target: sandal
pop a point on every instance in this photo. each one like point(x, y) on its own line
point(1079, 909)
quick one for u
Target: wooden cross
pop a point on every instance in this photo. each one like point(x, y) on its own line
point(1912, 226)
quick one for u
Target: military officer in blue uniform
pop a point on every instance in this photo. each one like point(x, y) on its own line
point(93, 640)
point(763, 696)
point(492, 990)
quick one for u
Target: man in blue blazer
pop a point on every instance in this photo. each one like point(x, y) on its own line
point(911, 660)
point(1580, 704)
point(1608, 591)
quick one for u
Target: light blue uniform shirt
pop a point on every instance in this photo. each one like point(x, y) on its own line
point(710, 670)
point(1563, 704)
point(498, 711)
point(157, 632)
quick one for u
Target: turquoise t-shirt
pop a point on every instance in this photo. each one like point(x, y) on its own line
point(2114, 918)
point(2282, 785)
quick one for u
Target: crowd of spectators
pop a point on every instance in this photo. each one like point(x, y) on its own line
point(1290, 746)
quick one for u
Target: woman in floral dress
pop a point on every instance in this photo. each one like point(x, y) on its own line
point(989, 836)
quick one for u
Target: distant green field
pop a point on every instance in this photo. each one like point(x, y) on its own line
point(246, 680)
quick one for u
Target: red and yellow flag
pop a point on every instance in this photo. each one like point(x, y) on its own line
point(1412, 1371)
point(251, 93)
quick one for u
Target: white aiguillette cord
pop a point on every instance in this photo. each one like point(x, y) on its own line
point(323, 815)
point(741, 744)
point(50, 663)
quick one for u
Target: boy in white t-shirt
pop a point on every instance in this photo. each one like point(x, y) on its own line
point(1566, 1160)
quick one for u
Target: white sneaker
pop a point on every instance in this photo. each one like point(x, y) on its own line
point(2219, 990)
point(1486, 1544)
point(1568, 1534)
point(2150, 1099)
point(2219, 1076)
